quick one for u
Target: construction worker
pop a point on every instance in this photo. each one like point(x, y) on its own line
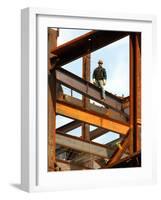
point(100, 77)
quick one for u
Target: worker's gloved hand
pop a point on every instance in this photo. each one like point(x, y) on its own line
point(104, 82)
point(94, 81)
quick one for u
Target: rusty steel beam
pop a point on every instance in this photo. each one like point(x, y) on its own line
point(88, 89)
point(52, 43)
point(79, 47)
point(125, 103)
point(137, 135)
point(86, 100)
point(85, 131)
point(86, 67)
point(119, 152)
point(97, 133)
point(51, 121)
point(113, 145)
point(132, 94)
point(128, 161)
point(72, 100)
point(138, 138)
point(94, 108)
point(78, 144)
point(93, 118)
point(69, 127)
point(135, 92)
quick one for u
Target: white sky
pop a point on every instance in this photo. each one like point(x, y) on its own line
point(116, 62)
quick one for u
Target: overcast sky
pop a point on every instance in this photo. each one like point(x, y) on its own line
point(116, 62)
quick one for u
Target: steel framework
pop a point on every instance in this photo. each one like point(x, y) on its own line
point(119, 115)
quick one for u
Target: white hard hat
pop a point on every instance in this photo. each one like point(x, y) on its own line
point(100, 61)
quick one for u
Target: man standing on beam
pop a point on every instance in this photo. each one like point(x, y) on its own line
point(100, 77)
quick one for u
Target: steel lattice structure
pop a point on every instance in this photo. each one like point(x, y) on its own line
point(66, 152)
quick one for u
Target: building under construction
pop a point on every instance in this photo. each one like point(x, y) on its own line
point(121, 115)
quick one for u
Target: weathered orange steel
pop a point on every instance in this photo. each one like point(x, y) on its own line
point(119, 116)
point(97, 133)
point(81, 145)
point(130, 161)
point(69, 127)
point(91, 118)
point(135, 92)
point(126, 103)
point(88, 89)
point(119, 152)
point(83, 111)
point(86, 100)
point(132, 90)
point(79, 46)
point(137, 144)
point(52, 42)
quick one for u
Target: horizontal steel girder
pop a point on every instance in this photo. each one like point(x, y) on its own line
point(69, 127)
point(91, 118)
point(88, 89)
point(78, 144)
point(75, 124)
point(84, 44)
point(97, 133)
point(93, 107)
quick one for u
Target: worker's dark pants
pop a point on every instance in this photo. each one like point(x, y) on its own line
point(99, 83)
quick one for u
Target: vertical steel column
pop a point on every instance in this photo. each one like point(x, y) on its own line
point(137, 135)
point(132, 85)
point(86, 101)
point(135, 92)
point(52, 43)
point(86, 76)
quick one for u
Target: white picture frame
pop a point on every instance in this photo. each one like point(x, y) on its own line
point(34, 175)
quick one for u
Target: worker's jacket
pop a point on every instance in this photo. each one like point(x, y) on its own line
point(99, 73)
